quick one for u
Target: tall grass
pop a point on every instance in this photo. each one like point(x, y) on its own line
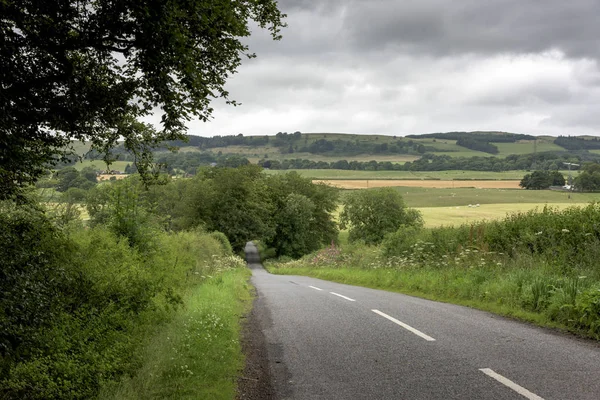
point(197, 355)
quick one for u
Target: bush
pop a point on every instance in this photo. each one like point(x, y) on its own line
point(223, 241)
point(75, 307)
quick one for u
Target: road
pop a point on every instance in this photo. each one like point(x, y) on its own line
point(326, 340)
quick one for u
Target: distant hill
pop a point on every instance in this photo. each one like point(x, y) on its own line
point(323, 149)
point(378, 147)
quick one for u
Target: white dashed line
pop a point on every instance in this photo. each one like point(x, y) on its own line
point(314, 287)
point(405, 326)
point(507, 382)
point(342, 296)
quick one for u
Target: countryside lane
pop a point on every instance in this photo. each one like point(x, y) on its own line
point(332, 341)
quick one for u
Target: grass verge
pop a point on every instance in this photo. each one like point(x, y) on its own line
point(197, 355)
point(432, 285)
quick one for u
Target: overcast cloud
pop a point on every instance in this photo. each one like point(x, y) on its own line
point(400, 67)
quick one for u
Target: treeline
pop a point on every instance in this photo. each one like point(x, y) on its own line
point(589, 179)
point(221, 141)
point(539, 180)
point(479, 141)
point(478, 145)
point(492, 137)
point(431, 162)
point(577, 143)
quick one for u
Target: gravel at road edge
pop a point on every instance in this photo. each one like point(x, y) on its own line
point(255, 381)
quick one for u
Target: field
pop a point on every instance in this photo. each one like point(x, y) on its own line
point(100, 165)
point(445, 216)
point(451, 206)
point(414, 175)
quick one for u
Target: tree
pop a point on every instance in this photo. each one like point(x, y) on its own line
point(302, 214)
point(89, 69)
point(371, 214)
point(232, 201)
point(539, 180)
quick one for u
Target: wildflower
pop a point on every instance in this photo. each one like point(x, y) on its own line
point(540, 232)
point(565, 230)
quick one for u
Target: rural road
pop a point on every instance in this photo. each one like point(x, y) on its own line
point(325, 340)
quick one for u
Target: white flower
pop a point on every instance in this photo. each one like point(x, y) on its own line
point(565, 230)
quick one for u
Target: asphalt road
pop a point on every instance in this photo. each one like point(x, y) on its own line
point(326, 340)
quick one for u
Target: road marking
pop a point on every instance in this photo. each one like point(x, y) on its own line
point(314, 287)
point(342, 296)
point(507, 382)
point(405, 326)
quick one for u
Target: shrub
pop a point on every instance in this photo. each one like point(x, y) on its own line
point(371, 214)
point(223, 241)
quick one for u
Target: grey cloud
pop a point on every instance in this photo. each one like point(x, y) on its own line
point(465, 26)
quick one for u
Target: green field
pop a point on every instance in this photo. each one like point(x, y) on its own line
point(445, 216)
point(461, 197)
point(100, 165)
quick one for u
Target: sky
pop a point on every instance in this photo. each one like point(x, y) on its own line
point(401, 67)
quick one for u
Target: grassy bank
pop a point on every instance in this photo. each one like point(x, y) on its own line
point(536, 266)
point(197, 355)
point(124, 308)
point(442, 175)
point(428, 284)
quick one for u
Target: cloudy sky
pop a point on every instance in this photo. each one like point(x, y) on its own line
point(417, 66)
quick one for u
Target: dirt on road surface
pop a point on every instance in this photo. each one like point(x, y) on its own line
point(365, 184)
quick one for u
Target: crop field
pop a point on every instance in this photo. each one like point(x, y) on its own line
point(433, 197)
point(446, 216)
point(451, 206)
point(443, 175)
point(99, 164)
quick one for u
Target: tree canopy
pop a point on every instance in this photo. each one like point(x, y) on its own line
point(90, 69)
point(371, 214)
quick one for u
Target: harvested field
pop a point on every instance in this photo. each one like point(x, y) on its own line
point(365, 184)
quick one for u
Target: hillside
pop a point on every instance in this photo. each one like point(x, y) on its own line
point(335, 146)
point(469, 151)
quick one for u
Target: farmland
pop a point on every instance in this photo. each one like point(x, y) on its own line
point(411, 175)
point(446, 216)
point(451, 206)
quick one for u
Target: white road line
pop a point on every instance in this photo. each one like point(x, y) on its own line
point(405, 326)
point(507, 382)
point(342, 296)
point(314, 287)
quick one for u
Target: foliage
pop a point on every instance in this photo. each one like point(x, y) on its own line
point(197, 353)
point(302, 214)
point(87, 70)
point(492, 137)
point(577, 143)
point(232, 201)
point(538, 180)
point(477, 144)
point(371, 214)
point(589, 179)
point(75, 311)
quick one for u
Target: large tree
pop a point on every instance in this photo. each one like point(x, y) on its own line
point(90, 69)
